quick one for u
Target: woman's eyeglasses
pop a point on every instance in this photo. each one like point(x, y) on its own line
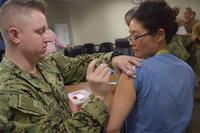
point(135, 37)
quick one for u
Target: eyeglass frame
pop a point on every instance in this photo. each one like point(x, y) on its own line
point(131, 37)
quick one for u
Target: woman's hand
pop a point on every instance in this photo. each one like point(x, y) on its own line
point(125, 64)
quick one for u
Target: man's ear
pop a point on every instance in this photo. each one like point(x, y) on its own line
point(14, 35)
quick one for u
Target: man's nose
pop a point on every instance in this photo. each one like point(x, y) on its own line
point(47, 37)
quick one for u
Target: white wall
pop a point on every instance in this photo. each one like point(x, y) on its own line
point(99, 21)
point(58, 13)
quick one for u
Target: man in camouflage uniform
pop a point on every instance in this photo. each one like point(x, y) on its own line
point(196, 39)
point(178, 45)
point(188, 20)
point(32, 97)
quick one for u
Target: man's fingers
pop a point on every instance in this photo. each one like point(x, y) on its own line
point(104, 72)
point(100, 68)
point(91, 66)
point(107, 76)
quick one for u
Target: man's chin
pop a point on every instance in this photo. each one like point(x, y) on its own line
point(41, 57)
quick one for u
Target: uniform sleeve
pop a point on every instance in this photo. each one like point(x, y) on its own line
point(73, 70)
point(21, 113)
point(90, 119)
point(196, 29)
point(177, 46)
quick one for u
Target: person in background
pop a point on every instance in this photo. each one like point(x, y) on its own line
point(181, 29)
point(188, 20)
point(180, 41)
point(123, 44)
point(54, 43)
point(178, 45)
point(196, 39)
point(159, 99)
point(32, 95)
point(129, 14)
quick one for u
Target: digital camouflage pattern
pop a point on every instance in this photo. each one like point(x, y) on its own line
point(198, 60)
point(196, 31)
point(40, 105)
point(178, 45)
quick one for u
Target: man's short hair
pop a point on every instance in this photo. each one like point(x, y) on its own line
point(129, 14)
point(188, 9)
point(11, 7)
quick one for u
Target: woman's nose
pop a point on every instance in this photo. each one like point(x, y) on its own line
point(132, 42)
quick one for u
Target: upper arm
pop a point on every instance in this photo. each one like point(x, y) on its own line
point(18, 110)
point(123, 102)
point(4, 109)
point(196, 29)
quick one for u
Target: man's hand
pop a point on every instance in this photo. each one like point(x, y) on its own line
point(98, 78)
point(125, 64)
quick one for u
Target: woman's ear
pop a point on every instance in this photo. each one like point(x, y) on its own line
point(14, 35)
point(160, 35)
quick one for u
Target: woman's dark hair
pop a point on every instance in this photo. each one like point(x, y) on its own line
point(155, 14)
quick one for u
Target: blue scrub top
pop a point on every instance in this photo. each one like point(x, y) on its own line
point(1, 2)
point(164, 87)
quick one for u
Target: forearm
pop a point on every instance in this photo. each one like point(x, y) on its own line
point(73, 70)
point(91, 118)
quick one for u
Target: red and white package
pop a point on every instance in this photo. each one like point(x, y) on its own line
point(77, 98)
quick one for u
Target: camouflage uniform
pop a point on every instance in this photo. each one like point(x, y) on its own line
point(196, 31)
point(178, 46)
point(32, 104)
